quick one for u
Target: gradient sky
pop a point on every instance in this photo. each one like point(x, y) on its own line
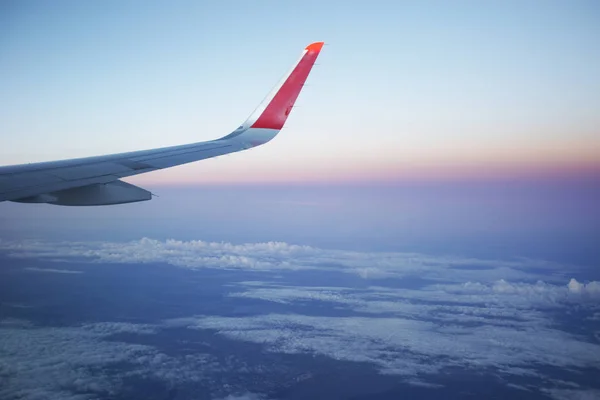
point(460, 133)
point(403, 91)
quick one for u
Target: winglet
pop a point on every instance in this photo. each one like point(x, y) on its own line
point(275, 109)
point(316, 46)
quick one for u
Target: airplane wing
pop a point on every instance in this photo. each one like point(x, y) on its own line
point(96, 180)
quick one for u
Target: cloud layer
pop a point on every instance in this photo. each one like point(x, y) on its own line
point(513, 318)
point(501, 325)
point(276, 256)
point(87, 361)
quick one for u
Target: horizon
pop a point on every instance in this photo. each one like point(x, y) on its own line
point(459, 96)
point(426, 225)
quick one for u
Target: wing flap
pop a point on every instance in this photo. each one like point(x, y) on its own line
point(98, 194)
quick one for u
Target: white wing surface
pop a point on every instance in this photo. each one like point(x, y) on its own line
point(95, 180)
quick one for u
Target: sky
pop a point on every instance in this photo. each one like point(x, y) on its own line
point(427, 221)
point(403, 91)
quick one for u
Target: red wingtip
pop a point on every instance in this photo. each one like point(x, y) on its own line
point(317, 46)
point(280, 106)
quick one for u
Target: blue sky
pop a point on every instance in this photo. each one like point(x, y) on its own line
point(404, 90)
point(405, 93)
point(427, 213)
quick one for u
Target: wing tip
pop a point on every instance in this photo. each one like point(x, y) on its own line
point(276, 107)
point(316, 46)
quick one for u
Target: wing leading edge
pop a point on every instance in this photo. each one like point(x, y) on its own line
point(95, 180)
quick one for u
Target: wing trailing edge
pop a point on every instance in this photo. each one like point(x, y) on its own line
point(97, 194)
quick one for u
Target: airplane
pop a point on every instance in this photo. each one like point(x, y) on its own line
point(95, 181)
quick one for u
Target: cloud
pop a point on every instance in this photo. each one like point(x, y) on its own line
point(95, 360)
point(15, 323)
point(591, 289)
point(405, 346)
point(507, 326)
point(572, 394)
point(53, 271)
point(497, 300)
point(469, 313)
point(244, 396)
point(55, 362)
point(280, 256)
point(83, 362)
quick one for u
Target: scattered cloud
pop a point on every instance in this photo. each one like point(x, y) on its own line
point(495, 300)
point(53, 270)
point(15, 323)
point(572, 394)
point(591, 289)
point(86, 362)
point(406, 346)
point(56, 363)
point(280, 256)
point(244, 396)
point(468, 313)
point(510, 327)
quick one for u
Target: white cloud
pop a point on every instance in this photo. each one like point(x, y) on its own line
point(406, 346)
point(591, 289)
point(505, 325)
point(572, 394)
point(15, 322)
point(54, 362)
point(69, 362)
point(477, 314)
point(499, 302)
point(53, 271)
point(274, 256)
point(244, 396)
point(290, 294)
point(104, 329)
